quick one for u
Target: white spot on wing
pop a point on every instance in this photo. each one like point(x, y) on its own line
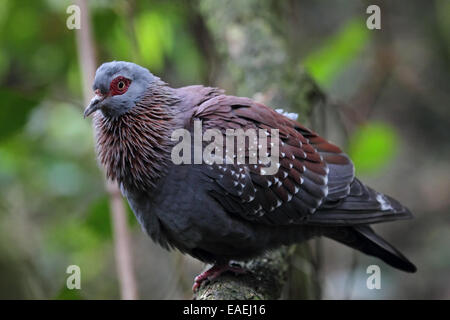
point(385, 205)
point(289, 115)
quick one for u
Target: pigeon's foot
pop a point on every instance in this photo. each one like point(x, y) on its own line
point(215, 271)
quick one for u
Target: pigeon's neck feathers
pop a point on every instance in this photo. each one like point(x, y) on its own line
point(135, 147)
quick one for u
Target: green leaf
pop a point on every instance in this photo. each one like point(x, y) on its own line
point(154, 34)
point(99, 219)
point(69, 294)
point(443, 20)
point(82, 245)
point(336, 52)
point(14, 111)
point(372, 147)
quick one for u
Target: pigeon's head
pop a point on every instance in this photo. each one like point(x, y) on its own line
point(118, 86)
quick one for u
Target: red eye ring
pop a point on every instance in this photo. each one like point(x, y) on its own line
point(119, 85)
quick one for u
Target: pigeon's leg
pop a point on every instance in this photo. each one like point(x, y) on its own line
point(215, 271)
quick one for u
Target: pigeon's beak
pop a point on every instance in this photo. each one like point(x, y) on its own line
point(94, 105)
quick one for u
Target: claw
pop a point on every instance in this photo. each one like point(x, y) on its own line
point(214, 272)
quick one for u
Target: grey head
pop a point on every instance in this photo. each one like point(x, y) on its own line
point(118, 86)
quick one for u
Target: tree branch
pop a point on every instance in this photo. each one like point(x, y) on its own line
point(264, 279)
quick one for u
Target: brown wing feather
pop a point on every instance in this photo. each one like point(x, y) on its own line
point(301, 184)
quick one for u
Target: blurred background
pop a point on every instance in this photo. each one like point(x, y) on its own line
point(387, 105)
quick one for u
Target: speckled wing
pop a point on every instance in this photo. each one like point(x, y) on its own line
point(314, 179)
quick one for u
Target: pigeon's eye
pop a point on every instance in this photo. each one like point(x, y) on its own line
point(119, 85)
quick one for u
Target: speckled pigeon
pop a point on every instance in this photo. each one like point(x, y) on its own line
point(223, 212)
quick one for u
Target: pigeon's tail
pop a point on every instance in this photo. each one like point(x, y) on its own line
point(364, 239)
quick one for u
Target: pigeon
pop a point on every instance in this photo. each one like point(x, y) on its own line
point(225, 210)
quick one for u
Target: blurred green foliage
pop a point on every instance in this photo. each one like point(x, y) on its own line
point(443, 20)
point(14, 113)
point(48, 169)
point(336, 52)
point(372, 147)
point(53, 208)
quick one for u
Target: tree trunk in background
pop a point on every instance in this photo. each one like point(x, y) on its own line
point(255, 63)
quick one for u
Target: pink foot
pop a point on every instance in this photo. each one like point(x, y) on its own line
point(213, 272)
